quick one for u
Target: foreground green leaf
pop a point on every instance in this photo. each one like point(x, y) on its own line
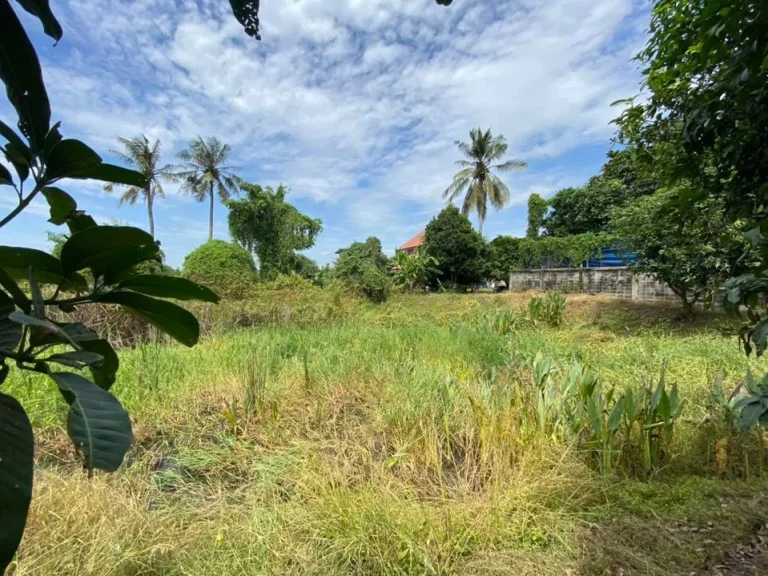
point(115, 174)
point(23, 79)
point(174, 320)
point(17, 261)
point(70, 158)
point(42, 10)
point(61, 203)
point(95, 246)
point(97, 423)
point(120, 263)
point(16, 473)
point(105, 373)
point(169, 287)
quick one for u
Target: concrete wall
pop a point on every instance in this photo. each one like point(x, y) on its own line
point(618, 282)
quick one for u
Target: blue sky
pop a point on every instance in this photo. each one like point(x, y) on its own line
point(354, 104)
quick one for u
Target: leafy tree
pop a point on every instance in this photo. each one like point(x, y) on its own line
point(223, 266)
point(537, 210)
point(145, 159)
point(305, 267)
point(95, 265)
point(586, 209)
point(264, 223)
point(704, 119)
point(415, 270)
point(692, 255)
point(476, 180)
point(624, 166)
point(459, 248)
point(364, 267)
point(503, 256)
point(205, 170)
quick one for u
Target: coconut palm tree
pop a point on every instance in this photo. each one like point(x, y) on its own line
point(476, 179)
point(145, 158)
point(205, 170)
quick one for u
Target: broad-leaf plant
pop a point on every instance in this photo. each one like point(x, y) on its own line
point(97, 264)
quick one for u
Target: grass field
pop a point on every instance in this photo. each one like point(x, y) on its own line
point(398, 439)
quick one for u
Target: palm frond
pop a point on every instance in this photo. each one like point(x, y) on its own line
point(131, 195)
point(509, 166)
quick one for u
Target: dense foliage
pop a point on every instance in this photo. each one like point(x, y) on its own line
point(413, 271)
point(560, 251)
point(704, 120)
point(365, 268)
point(477, 180)
point(265, 224)
point(691, 255)
point(223, 266)
point(502, 256)
point(458, 247)
point(585, 210)
point(537, 210)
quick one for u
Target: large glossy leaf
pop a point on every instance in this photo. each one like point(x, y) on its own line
point(16, 473)
point(20, 71)
point(42, 10)
point(105, 373)
point(61, 203)
point(13, 138)
point(115, 174)
point(94, 246)
point(76, 359)
point(98, 425)
point(17, 261)
point(15, 156)
point(121, 262)
point(70, 159)
point(10, 331)
point(79, 221)
point(169, 287)
point(5, 176)
point(174, 320)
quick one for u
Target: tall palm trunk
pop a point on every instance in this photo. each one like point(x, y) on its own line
point(210, 215)
point(480, 225)
point(151, 214)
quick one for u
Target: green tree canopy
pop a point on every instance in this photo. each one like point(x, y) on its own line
point(704, 120)
point(458, 247)
point(537, 210)
point(692, 255)
point(503, 256)
point(265, 224)
point(585, 209)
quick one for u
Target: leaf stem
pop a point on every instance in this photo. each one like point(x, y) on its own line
point(22, 204)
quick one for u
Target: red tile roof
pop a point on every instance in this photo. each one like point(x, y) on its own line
point(414, 242)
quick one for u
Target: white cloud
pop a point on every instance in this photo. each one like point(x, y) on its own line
point(354, 104)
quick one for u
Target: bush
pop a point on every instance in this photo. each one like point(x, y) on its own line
point(222, 266)
point(292, 281)
point(374, 284)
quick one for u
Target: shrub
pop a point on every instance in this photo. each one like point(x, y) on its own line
point(460, 250)
point(292, 281)
point(224, 267)
point(374, 284)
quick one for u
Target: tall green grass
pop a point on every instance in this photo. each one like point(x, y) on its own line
point(395, 439)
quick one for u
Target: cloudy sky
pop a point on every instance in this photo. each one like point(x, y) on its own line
point(354, 104)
